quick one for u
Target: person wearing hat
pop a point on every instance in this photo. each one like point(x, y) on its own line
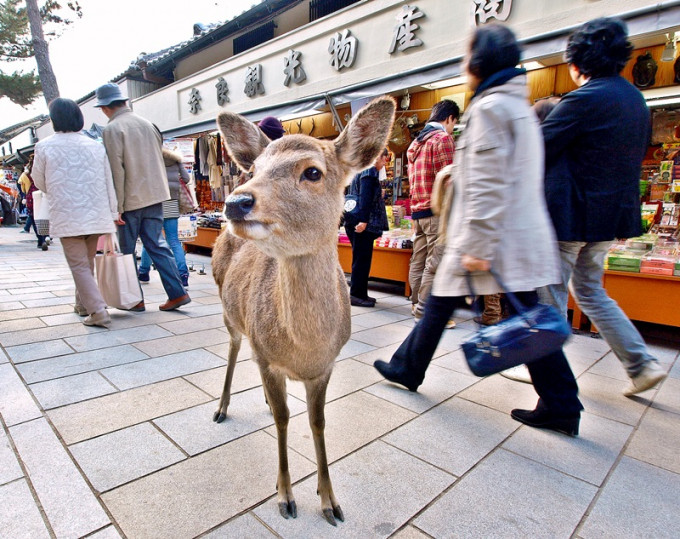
point(271, 127)
point(134, 147)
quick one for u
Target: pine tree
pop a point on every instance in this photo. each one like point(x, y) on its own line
point(23, 26)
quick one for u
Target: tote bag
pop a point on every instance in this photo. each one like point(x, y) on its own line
point(117, 276)
point(187, 197)
point(41, 213)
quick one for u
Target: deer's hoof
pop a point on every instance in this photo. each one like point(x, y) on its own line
point(218, 417)
point(288, 509)
point(329, 515)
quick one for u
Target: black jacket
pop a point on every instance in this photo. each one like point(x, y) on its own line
point(595, 140)
point(371, 204)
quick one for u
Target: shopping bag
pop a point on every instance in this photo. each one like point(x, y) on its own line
point(41, 213)
point(187, 197)
point(117, 276)
point(531, 334)
point(187, 228)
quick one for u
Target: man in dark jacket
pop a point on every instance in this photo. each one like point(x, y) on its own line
point(595, 140)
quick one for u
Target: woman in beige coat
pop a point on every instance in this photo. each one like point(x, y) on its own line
point(498, 220)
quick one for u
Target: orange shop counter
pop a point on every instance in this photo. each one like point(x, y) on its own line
point(387, 263)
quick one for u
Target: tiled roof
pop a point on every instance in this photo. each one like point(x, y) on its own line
point(12, 131)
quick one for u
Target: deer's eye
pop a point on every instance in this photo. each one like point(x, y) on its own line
point(311, 174)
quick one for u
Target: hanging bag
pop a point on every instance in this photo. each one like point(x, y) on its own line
point(117, 275)
point(530, 334)
point(187, 197)
point(351, 207)
point(41, 213)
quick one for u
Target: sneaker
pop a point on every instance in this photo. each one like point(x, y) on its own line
point(101, 319)
point(650, 375)
point(519, 374)
point(143, 277)
point(48, 240)
point(185, 280)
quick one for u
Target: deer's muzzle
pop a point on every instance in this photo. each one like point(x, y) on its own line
point(238, 206)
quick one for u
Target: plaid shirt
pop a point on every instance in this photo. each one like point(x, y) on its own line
point(426, 157)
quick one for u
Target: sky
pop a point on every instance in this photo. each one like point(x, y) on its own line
point(109, 36)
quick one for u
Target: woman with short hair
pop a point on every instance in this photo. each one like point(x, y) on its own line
point(74, 172)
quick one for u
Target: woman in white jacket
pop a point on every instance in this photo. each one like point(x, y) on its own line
point(74, 172)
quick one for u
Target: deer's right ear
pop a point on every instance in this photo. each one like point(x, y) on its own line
point(243, 139)
point(366, 135)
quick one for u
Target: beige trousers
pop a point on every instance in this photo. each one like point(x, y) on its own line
point(424, 260)
point(80, 252)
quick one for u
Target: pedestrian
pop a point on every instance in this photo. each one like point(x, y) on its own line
point(73, 170)
point(498, 173)
point(176, 173)
point(24, 184)
point(595, 141)
point(134, 146)
point(369, 224)
point(27, 180)
point(430, 152)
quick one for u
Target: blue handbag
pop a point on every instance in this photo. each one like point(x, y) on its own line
point(531, 334)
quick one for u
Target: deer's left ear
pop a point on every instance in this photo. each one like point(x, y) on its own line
point(366, 135)
point(243, 139)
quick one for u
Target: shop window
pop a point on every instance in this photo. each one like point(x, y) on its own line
point(254, 37)
point(321, 8)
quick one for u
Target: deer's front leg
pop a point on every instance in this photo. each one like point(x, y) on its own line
point(234, 347)
point(316, 400)
point(275, 393)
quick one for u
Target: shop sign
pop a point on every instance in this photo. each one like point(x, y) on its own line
point(343, 50)
point(194, 101)
point(222, 92)
point(404, 31)
point(293, 68)
point(483, 10)
point(254, 84)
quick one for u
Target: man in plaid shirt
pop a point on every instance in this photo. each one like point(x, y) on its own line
point(431, 151)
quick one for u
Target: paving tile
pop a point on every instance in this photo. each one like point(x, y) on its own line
point(351, 422)
point(668, 397)
point(195, 431)
point(509, 496)
point(348, 376)
point(603, 396)
point(639, 500)
point(592, 347)
point(38, 350)
point(114, 459)
point(656, 440)
point(663, 351)
point(190, 325)
point(19, 515)
point(11, 307)
point(222, 350)
point(610, 366)
point(180, 343)
point(61, 319)
point(501, 394)
point(107, 533)
point(16, 403)
point(68, 365)
point(246, 376)
point(379, 489)
point(49, 333)
point(71, 389)
point(205, 309)
point(439, 385)
point(9, 466)
point(70, 506)
point(114, 337)
point(3, 356)
point(454, 436)
point(379, 318)
point(20, 325)
point(156, 369)
point(409, 532)
point(353, 348)
point(196, 495)
point(244, 526)
point(453, 338)
point(590, 456)
point(45, 302)
point(382, 336)
point(84, 420)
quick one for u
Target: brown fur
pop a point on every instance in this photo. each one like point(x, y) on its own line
point(278, 272)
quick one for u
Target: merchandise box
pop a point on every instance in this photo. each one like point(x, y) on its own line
point(656, 271)
point(655, 261)
point(626, 261)
point(616, 267)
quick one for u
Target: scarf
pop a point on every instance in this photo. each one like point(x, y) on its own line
point(498, 78)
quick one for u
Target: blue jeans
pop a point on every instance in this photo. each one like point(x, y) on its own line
point(147, 224)
point(583, 265)
point(172, 237)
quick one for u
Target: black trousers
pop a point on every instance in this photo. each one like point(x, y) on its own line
point(551, 375)
point(362, 255)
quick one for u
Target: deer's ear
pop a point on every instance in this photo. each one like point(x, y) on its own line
point(366, 135)
point(243, 139)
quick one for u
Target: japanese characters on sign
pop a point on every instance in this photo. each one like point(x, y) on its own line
point(222, 92)
point(293, 68)
point(404, 31)
point(194, 101)
point(343, 50)
point(254, 85)
point(483, 10)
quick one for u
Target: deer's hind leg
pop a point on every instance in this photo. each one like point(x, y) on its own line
point(234, 347)
point(316, 401)
point(274, 384)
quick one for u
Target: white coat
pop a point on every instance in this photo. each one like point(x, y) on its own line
point(74, 172)
point(499, 211)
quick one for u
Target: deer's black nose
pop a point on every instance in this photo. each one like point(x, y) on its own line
point(238, 206)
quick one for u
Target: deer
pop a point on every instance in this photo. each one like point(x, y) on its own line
point(277, 270)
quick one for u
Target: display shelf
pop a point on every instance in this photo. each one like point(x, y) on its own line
point(387, 263)
point(205, 238)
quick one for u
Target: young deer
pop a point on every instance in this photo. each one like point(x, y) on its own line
point(278, 273)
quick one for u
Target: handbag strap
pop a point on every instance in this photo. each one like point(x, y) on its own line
point(516, 304)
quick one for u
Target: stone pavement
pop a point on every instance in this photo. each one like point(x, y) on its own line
point(108, 433)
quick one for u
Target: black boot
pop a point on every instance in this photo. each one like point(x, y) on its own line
point(542, 418)
point(399, 376)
